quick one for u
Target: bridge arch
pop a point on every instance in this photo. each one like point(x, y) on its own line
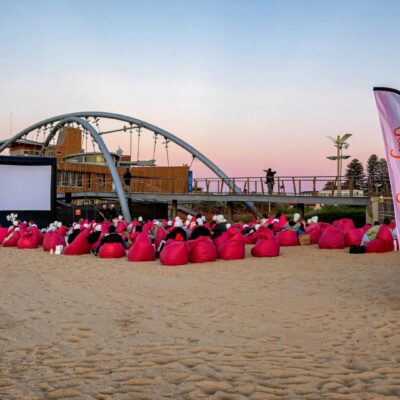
point(81, 119)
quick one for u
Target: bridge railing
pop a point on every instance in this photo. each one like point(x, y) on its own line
point(283, 185)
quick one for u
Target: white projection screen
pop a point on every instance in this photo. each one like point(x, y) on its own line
point(25, 187)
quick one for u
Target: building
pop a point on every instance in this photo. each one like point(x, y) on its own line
point(82, 171)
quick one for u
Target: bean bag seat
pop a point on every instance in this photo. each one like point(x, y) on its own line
point(120, 227)
point(331, 238)
point(365, 228)
point(51, 240)
point(12, 240)
point(112, 250)
point(133, 236)
point(160, 235)
point(221, 239)
point(142, 249)
point(392, 224)
point(383, 242)
point(276, 226)
point(62, 230)
point(104, 226)
point(282, 220)
point(266, 248)
point(344, 224)
point(315, 233)
point(27, 241)
point(287, 238)
point(39, 235)
point(174, 253)
point(263, 233)
point(353, 237)
point(233, 248)
point(323, 225)
point(79, 246)
point(249, 239)
point(3, 234)
point(202, 250)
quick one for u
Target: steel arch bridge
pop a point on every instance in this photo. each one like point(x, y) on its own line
point(83, 119)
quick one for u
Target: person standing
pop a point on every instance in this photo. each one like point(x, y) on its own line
point(270, 180)
point(127, 179)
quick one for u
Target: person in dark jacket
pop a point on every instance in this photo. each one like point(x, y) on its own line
point(199, 230)
point(220, 226)
point(112, 212)
point(74, 233)
point(127, 179)
point(112, 237)
point(94, 236)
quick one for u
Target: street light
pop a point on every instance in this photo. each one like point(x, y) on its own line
point(340, 143)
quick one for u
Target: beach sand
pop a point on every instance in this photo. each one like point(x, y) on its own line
point(312, 324)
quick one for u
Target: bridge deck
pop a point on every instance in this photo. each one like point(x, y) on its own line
point(222, 197)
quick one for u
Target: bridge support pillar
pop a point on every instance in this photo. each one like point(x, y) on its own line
point(229, 211)
point(372, 211)
point(174, 208)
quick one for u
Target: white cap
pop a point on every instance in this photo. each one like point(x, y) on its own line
point(15, 223)
point(228, 226)
point(220, 218)
point(140, 219)
point(86, 225)
point(189, 217)
point(309, 221)
point(296, 217)
point(77, 226)
point(203, 217)
point(314, 219)
point(169, 223)
point(214, 218)
point(59, 224)
point(199, 221)
point(97, 228)
point(178, 223)
point(120, 217)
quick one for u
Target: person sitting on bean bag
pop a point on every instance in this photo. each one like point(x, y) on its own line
point(219, 227)
point(75, 232)
point(111, 237)
point(372, 232)
point(199, 230)
point(176, 233)
point(295, 224)
point(95, 235)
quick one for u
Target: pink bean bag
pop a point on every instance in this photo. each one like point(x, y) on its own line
point(263, 233)
point(79, 246)
point(39, 235)
point(142, 249)
point(13, 240)
point(266, 248)
point(62, 230)
point(120, 227)
point(27, 241)
point(202, 250)
point(282, 220)
point(323, 225)
point(174, 253)
point(249, 239)
point(331, 238)
point(160, 235)
point(315, 233)
point(383, 242)
point(353, 237)
point(287, 238)
point(344, 224)
point(233, 248)
point(3, 234)
point(112, 250)
point(51, 240)
point(221, 239)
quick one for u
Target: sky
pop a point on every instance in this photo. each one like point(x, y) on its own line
point(250, 84)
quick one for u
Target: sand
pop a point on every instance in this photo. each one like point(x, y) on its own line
point(312, 324)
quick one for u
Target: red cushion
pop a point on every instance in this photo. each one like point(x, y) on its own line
point(174, 253)
point(379, 246)
point(112, 250)
point(160, 235)
point(287, 238)
point(27, 241)
point(39, 235)
point(142, 249)
point(79, 246)
point(315, 232)
point(3, 234)
point(249, 239)
point(121, 225)
point(202, 250)
point(385, 233)
point(331, 238)
point(353, 237)
point(266, 248)
point(51, 240)
point(323, 225)
point(344, 224)
point(221, 239)
point(233, 248)
point(13, 240)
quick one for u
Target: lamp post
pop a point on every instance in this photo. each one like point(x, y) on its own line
point(339, 143)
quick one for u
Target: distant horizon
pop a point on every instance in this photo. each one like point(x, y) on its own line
point(251, 85)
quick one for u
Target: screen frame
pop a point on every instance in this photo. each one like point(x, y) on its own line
point(36, 161)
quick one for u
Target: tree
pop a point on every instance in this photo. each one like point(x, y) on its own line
point(355, 174)
point(382, 178)
point(372, 167)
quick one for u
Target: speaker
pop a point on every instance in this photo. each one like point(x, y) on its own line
point(68, 197)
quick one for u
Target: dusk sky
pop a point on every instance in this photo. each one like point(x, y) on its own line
point(251, 84)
